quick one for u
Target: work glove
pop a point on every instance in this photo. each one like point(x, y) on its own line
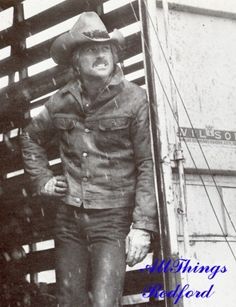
point(137, 245)
point(56, 186)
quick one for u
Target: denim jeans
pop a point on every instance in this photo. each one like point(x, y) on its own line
point(90, 255)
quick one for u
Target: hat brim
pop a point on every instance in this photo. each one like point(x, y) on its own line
point(63, 46)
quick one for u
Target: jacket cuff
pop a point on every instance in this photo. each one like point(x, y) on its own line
point(149, 225)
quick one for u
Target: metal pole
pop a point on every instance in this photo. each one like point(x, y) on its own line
point(166, 210)
point(178, 154)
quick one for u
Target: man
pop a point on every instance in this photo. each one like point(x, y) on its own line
point(107, 209)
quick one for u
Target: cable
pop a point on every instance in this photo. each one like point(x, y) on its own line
point(169, 103)
point(172, 76)
point(190, 121)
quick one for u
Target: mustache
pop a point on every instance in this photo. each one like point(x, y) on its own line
point(98, 62)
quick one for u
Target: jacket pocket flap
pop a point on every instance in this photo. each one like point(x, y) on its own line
point(113, 123)
point(64, 123)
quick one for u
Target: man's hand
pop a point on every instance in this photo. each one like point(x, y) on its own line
point(56, 186)
point(137, 245)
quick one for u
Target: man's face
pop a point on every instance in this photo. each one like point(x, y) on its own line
point(94, 61)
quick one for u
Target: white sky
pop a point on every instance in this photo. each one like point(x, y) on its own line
point(32, 7)
point(6, 18)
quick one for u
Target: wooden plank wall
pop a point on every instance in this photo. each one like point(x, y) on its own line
point(26, 220)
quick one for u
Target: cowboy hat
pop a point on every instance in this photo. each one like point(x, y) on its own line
point(89, 28)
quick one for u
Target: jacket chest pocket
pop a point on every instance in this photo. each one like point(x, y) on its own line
point(64, 123)
point(113, 133)
point(66, 128)
point(114, 124)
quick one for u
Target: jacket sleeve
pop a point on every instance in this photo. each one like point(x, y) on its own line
point(33, 140)
point(145, 210)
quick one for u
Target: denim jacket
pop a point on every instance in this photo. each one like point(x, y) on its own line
point(104, 147)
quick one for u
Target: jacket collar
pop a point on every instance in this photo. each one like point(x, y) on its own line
point(110, 90)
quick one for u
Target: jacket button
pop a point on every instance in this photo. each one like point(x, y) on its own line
point(77, 199)
point(85, 154)
point(85, 179)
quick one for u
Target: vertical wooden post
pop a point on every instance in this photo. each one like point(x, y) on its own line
point(20, 46)
point(17, 49)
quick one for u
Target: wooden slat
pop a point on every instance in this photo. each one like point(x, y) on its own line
point(140, 81)
point(31, 56)
point(35, 262)
point(23, 207)
point(136, 281)
point(62, 12)
point(134, 67)
point(14, 96)
point(37, 236)
point(13, 188)
point(45, 19)
point(121, 17)
point(36, 54)
point(5, 4)
point(32, 235)
point(10, 153)
point(39, 261)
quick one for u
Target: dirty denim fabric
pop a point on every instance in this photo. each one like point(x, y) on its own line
point(104, 145)
point(90, 255)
